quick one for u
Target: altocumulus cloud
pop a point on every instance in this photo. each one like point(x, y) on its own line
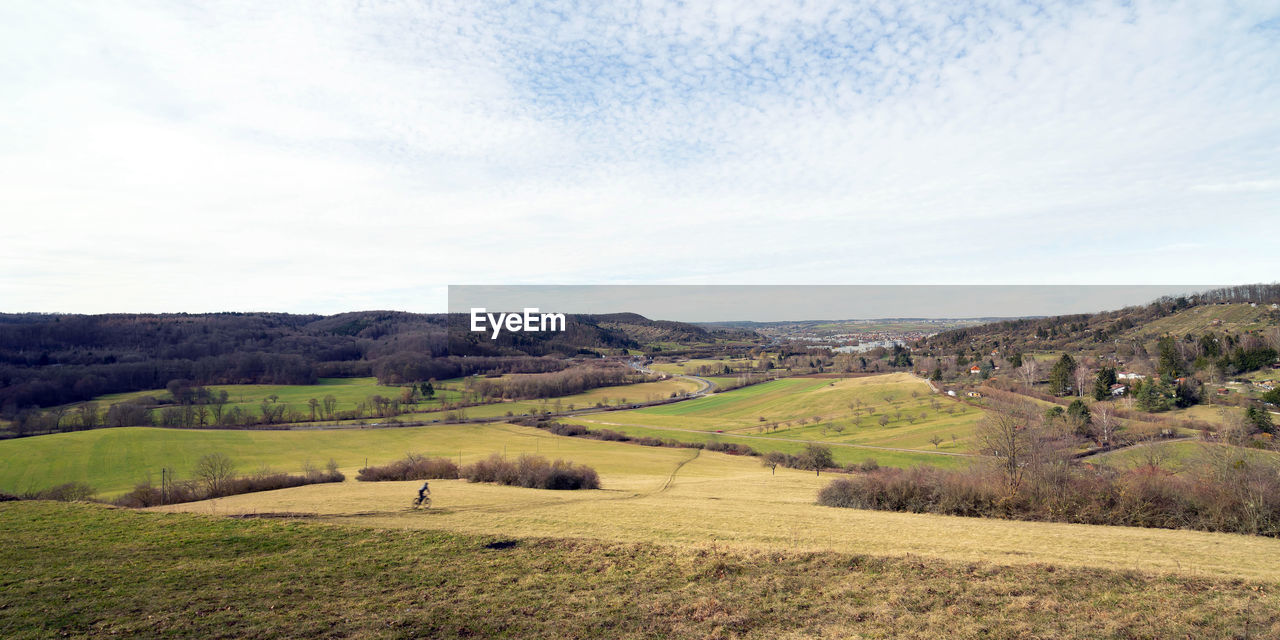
point(331, 156)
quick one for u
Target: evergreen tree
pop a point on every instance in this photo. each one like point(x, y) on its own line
point(1153, 396)
point(1078, 412)
point(1102, 383)
point(1170, 363)
point(1060, 376)
point(1260, 419)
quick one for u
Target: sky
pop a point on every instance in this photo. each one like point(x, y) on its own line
point(778, 303)
point(332, 156)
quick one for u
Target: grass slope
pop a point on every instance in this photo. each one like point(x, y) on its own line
point(824, 410)
point(622, 394)
point(1201, 319)
point(1175, 455)
point(83, 571)
point(113, 460)
point(690, 498)
point(349, 392)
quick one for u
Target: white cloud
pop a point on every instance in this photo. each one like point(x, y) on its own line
point(323, 157)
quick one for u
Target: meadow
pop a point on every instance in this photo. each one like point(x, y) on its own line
point(838, 411)
point(1175, 455)
point(690, 498)
point(607, 396)
point(114, 460)
point(120, 573)
point(693, 365)
point(349, 392)
point(675, 543)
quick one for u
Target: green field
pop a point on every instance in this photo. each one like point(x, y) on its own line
point(1175, 455)
point(349, 392)
point(816, 409)
point(693, 365)
point(607, 396)
point(113, 460)
point(675, 543)
point(687, 498)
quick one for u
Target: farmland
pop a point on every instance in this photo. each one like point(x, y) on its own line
point(677, 542)
point(700, 366)
point(607, 396)
point(113, 460)
point(844, 411)
point(349, 393)
point(690, 498)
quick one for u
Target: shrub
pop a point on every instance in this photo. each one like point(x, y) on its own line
point(1230, 494)
point(146, 494)
point(532, 472)
point(411, 467)
point(68, 492)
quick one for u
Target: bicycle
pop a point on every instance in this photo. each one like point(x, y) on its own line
point(422, 503)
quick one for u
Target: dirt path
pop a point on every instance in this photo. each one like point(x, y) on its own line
point(672, 478)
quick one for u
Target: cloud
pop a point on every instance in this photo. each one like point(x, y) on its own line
point(329, 156)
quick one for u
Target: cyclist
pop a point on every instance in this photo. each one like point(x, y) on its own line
point(424, 494)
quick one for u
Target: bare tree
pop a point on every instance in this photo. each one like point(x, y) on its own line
point(88, 414)
point(1029, 372)
point(56, 414)
point(1004, 433)
point(1105, 422)
point(936, 440)
point(1082, 377)
point(214, 471)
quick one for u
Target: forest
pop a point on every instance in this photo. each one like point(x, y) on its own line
point(53, 359)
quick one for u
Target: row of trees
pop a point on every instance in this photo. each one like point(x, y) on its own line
point(556, 384)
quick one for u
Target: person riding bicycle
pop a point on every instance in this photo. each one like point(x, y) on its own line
point(423, 492)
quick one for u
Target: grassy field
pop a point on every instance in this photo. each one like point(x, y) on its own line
point(689, 498)
point(676, 543)
point(113, 460)
point(691, 366)
point(1176, 454)
point(610, 396)
point(349, 392)
point(119, 573)
point(672, 496)
point(817, 409)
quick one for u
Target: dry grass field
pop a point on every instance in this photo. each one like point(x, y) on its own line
point(689, 498)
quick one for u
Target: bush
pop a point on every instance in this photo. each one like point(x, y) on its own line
point(68, 492)
point(1236, 494)
point(411, 467)
point(146, 494)
point(532, 472)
